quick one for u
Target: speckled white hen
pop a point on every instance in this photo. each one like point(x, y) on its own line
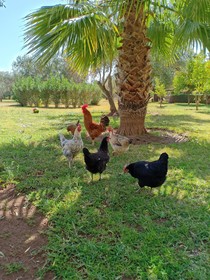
point(73, 146)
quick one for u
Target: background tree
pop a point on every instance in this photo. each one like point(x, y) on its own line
point(160, 90)
point(2, 3)
point(165, 70)
point(207, 82)
point(25, 66)
point(20, 91)
point(6, 82)
point(89, 41)
point(182, 81)
point(105, 80)
point(199, 77)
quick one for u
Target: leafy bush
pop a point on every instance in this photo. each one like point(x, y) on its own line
point(96, 94)
point(84, 95)
point(55, 88)
point(26, 91)
point(45, 93)
point(34, 91)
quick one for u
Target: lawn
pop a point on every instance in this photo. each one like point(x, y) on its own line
point(106, 229)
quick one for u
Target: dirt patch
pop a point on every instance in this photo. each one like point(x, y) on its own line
point(153, 135)
point(22, 237)
point(161, 220)
point(160, 136)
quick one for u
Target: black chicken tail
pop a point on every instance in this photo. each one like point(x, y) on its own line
point(104, 120)
point(164, 157)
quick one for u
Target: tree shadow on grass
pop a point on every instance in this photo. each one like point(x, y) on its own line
point(175, 121)
point(203, 112)
point(23, 237)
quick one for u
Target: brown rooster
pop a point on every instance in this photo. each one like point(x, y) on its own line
point(94, 129)
point(72, 126)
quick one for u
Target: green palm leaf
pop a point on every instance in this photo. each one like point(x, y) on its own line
point(80, 32)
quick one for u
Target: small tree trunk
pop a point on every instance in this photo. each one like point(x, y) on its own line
point(109, 97)
point(46, 104)
point(113, 109)
point(197, 102)
point(206, 99)
point(188, 99)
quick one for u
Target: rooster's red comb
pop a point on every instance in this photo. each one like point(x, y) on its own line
point(84, 106)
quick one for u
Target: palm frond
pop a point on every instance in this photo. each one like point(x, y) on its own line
point(71, 29)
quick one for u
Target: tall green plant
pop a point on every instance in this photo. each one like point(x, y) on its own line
point(45, 94)
point(26, 91)
point(96, 94)
point(207, 82)
point(55, 87)
point(160, 90)
point(65, 92)
point(20, 93)
point(199, 78)
point(34, 88)
point(182, 81)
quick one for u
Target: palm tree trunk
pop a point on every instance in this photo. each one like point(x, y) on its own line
point(133, 77)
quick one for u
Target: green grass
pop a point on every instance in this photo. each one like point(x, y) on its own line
point(13, 267)
point(107, 230)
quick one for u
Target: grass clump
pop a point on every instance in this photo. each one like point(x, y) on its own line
point(13, 267)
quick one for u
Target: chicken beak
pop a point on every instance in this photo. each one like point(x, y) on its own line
point(125, 170)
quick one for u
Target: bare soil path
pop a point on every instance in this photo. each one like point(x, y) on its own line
point(22, 237)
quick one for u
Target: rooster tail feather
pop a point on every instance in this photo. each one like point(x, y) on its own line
point(104, 120)
point(61, 136)
point(62, 139)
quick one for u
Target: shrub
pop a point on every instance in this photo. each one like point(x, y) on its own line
point(26, 91)
point(96, 94)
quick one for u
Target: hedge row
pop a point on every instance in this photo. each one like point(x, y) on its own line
point(30, 91)
point(183, 98)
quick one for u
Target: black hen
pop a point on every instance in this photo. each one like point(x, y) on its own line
point(151, 174)
point(96, 162)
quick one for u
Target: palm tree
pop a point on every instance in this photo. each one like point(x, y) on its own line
point(2, 3)
point(88, 32)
